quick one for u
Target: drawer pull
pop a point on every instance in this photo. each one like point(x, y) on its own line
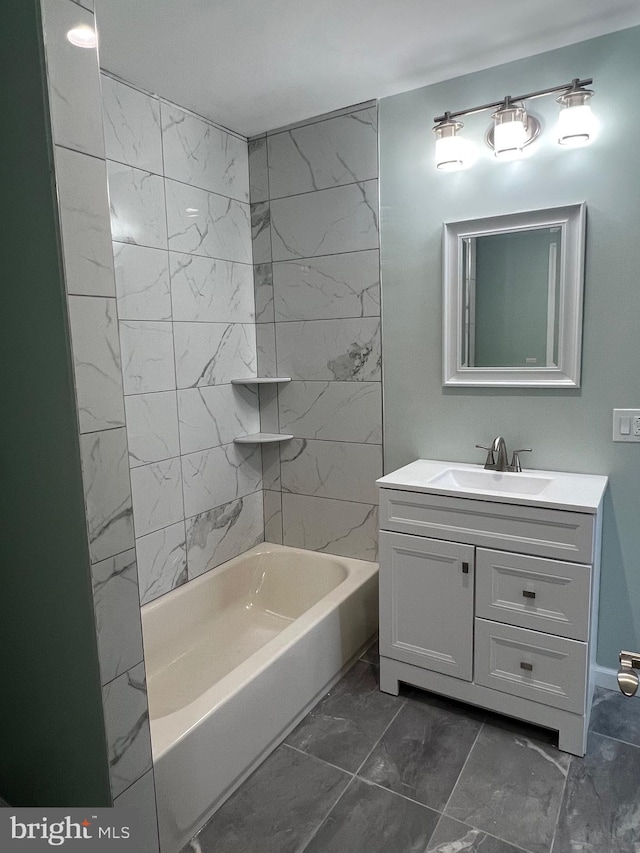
point(527, 666)
point(528, 594)
point(465, 568)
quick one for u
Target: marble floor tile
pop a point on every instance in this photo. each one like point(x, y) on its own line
point(345, 725)
point(616, 715)
point(511, 787)
point(423, 751)
point(369, 819)
point(601, 808)
point(451, 836)
point(277, 809)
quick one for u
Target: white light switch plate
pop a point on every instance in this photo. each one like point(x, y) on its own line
point(626, 424)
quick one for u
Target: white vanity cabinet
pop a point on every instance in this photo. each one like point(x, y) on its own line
point(492, 598)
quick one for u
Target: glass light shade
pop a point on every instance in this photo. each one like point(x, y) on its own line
point(509, 132)
point(450, 148)
point(576, 123)
point(83, 36)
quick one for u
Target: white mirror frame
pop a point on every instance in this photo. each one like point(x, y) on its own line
point(571, 219)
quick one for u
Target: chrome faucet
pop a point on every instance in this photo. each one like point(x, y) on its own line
point(497, 456)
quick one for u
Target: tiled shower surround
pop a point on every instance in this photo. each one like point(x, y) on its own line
point(179, 196)
point(162, 319)
point(314, 213)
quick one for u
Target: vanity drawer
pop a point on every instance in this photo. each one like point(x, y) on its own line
point(543, 532)
point(532, 592)
point(547, 669)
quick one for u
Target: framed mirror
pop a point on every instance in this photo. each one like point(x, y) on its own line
point(512, 299)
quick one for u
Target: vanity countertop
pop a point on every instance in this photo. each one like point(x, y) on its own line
point(552, 489)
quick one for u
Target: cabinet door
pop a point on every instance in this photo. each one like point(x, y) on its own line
point(426, 603)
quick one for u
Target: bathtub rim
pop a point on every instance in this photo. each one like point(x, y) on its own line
point(169, 730)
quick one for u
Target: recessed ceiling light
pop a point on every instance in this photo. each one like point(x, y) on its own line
point(83, 36)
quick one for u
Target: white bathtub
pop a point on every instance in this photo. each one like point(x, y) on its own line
point(235, 659)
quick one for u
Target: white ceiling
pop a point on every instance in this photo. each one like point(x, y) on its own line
point(254, 65)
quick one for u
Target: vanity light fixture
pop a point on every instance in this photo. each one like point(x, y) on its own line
point(575, 122)
point(449, 146)
point(514, 127)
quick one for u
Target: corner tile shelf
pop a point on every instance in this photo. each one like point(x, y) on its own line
point(262, 380)
point(262, 438)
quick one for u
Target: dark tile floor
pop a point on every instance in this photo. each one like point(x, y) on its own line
point(365, 772)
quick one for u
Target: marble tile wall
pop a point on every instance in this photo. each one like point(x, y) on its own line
point(81, 181)
point(180, 222)
point(314, 218)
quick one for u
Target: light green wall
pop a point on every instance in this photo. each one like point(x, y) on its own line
point(52, 740)
point(569, 430)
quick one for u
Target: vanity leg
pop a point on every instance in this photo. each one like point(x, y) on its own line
point(388, 682)
point(572, 737)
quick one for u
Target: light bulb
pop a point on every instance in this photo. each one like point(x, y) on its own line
point(83, 36)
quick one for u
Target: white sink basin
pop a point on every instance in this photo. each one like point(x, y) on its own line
point(490, 481)
point(556, 489)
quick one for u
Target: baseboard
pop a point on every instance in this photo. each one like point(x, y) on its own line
point(605, 677)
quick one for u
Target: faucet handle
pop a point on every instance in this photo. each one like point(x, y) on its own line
point(490, 459)
point(516, 465)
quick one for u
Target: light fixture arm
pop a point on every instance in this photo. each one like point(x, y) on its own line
point(574, 86)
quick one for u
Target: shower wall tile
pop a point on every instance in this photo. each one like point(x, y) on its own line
point(263, 280)
point(127, 726)
point(203, 223)
point(74, 80)
point(219, 475)
point(210, 290)
point(340, 219)
point(157, 496)
point(96, 362)
point(213, 353)
point(272, 516)
point(346, 350)
point(271, 467)
point(215, 415)
point(336, 411)
point(142, 282)
point(328, 153)
point(84, 221)
point(332, 286)
point(147, 357)
point(117, 609)
point(162, 561)
point(137, 206)
point(105, 473)
point(261, 233)
point(258, 175)
point(131, 126)
point(269, 419)
point(332, 526)
point(224, 532)
point(266, 349)
point(331, 469)
point(200, 154)
point(141, 796)
point(152, 427)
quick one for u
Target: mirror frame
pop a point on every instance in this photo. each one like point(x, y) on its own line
point(571, 219)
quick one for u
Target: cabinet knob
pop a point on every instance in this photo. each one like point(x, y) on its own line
point(528, 593)
point(526, 666)
point(465, 568)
